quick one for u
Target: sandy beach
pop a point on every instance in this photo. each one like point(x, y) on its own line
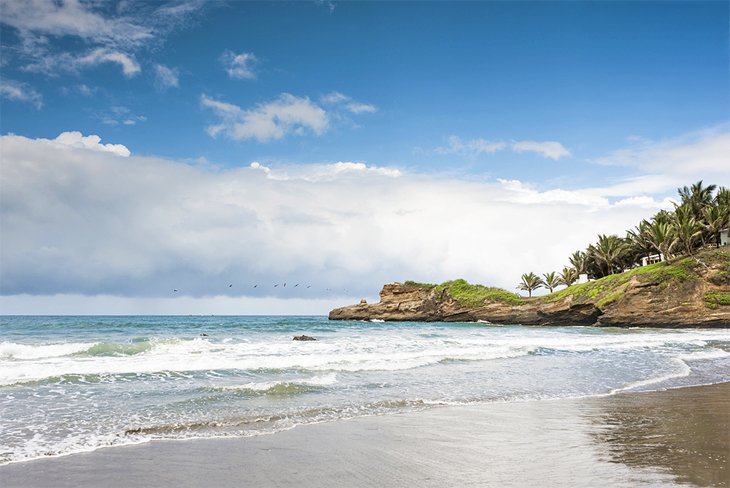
point(667, 438)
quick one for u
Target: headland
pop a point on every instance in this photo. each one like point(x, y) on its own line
point(690, 291)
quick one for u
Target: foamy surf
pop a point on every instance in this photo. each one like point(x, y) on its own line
point(75, 384)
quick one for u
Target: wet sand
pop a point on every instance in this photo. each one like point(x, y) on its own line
point(669, 438)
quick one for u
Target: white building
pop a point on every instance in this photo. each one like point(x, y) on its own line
point(723, 237)
point(651, 259)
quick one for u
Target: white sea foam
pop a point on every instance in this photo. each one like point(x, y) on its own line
point(203, 355)
point(680, 371)
point(12, 350)
point(373, 350)
point(700, 355)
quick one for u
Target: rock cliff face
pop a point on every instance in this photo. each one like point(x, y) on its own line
point(689, 292)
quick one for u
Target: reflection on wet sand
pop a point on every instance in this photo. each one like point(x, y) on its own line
point(684, 432)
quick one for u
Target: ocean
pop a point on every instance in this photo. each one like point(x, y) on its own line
point(76, 384)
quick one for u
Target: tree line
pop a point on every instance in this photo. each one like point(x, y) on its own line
point(695, 222)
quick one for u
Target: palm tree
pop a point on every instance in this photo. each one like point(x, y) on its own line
point(568, 276)
point(550, 280)
point(660, 235)
point(579, 260)
point(696, 198)
point(714, 220)
point(722, 199)
point(530, 282)
point(662, 216)
point(608, 252)
point(639, 242)
point(688, 230)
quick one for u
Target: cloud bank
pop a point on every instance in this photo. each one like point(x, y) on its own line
point(92, 142)
point(78, 219)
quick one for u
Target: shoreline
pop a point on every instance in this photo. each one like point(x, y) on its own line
point(658, 437)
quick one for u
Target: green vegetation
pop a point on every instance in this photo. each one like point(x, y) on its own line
point(714, 299)
point(611, 288)
point(694, 223)
point(602, 291)
point(613, 261)
point(469, 295)
point(419, 285)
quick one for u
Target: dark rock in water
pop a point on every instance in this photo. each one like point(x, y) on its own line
point(304, 338)
point(203, 335)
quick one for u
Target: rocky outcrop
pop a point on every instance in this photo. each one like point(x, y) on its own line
point(689, 292)
point(404, 302)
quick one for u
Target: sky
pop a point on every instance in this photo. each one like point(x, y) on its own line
point(184, 157)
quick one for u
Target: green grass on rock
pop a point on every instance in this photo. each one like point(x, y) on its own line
point(469, 295)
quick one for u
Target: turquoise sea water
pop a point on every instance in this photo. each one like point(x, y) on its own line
point(71, 384)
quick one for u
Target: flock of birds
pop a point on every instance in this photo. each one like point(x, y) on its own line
point(276, 285)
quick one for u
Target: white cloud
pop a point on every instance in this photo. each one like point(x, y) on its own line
point(98, 33)
point(139, 227)
point(697, 155)
point(120, 115)
point(85, 90)
point(324, 172)
point(129, 66)
point(264, 122)
point(520, 192)
point(92, 142)
point(13, 90)
point(240, 66)
point(472, 147)
point(72, 18)
point(595, 198)
point(345, 102)
point(475, 147)
point(334, 97)
point(166, 77)
point(549, 149)
point(330, 6)
point(67, 62)
point(360, 108)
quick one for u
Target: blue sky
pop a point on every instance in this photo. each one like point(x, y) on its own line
point(601, 106)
